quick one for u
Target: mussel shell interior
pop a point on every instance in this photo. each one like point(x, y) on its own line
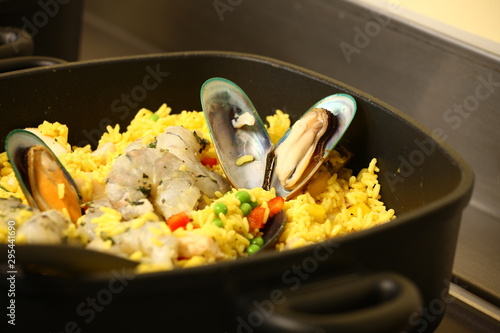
point(343, 107)
point(222, 102)
point(17, 144)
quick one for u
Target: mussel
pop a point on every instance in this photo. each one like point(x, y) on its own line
point(239, 135)
point(244, 148)
point(45, 182)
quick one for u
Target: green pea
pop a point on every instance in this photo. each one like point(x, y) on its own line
point(252, 248)
point(258, 241)
point(218, 222)
point(254, 204)
point(154, 117)
point(220, 208)
point(243, 196)
point(246, 208)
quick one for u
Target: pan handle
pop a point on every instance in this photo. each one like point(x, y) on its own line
point(15, 42)
point(381, 302)
point(16, 49)
point(14, 64)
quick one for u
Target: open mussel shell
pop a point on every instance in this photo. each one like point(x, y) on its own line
point(239, 136)
point(272, 230)
point(45, 182)
point(307, 144)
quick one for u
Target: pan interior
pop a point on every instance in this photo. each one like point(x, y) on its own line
point(414, 169)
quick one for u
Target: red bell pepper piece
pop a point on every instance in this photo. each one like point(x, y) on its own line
point(275, 205)
point(257, 218)
point(179, 220)
point(210, 161)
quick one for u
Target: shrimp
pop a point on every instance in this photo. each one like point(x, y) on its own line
point(85, 225)
point(161, 251)
point(148, 173)
point(13, 209)
point(168, 178)
point(186, 145)
point(33, 226)
point(193, 244)
point(45, 228)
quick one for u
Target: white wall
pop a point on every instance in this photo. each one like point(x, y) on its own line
point(475, 22)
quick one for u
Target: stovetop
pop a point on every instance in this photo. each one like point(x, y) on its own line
point(411, 67)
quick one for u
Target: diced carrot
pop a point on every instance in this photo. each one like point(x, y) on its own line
point(257, 218)
point(210, 161)
point(179, 220)
point(275, 205)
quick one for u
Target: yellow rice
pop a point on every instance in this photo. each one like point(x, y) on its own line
point(336, 204)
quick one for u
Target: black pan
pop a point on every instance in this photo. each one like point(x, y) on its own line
point(390, 278)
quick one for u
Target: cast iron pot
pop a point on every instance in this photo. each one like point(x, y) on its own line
point(16, 49)
point(390, 278)
point(54, 25)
